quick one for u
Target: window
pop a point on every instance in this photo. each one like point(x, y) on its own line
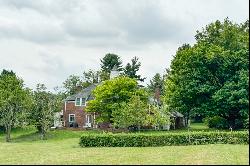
point(89, 119)
point(78, 101)
point(83, 101)
point(71, 117)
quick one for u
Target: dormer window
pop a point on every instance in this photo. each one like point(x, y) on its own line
point(83, 102)
point(80, 101)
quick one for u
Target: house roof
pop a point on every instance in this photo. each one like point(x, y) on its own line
point(176, 114)
point(85, 93)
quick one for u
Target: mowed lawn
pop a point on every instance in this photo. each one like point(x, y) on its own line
point(62, 147)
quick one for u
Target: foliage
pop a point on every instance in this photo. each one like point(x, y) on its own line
point(90, 77)
point(71, 84)
point(111, 94)
point(133, 113)
point(246, 123)
point(44, 107)
point(109, 61)
point(14, 101)
point(157, 116)
point(217, 122)
point(211, 77)
point(130, 70)
point(144, 140)
point(157, 82)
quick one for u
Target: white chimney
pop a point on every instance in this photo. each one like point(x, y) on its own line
point(114, 72)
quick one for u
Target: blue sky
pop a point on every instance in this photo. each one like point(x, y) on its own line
point(45, 41)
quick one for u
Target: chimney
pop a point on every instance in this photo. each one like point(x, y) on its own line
point(114, 72)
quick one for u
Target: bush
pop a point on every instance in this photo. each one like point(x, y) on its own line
point(246, 123)
point(143, 140)
point(217, 122)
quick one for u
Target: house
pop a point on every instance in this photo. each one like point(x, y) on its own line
point(73, 113)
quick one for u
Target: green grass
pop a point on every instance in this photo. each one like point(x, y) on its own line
point(62, 147)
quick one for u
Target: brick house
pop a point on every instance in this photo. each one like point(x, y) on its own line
point(74, 114)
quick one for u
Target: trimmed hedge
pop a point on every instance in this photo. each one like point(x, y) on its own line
point(144, 140)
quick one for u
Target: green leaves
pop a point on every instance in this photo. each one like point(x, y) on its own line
point(14, 101)
point(131, 70)
point(167, 139)
point(112, 93)
point(109, 61)
point(210, 78)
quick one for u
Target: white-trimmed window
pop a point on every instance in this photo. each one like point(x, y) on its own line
point(83, 102)
point(71, 117)
point(80, 101)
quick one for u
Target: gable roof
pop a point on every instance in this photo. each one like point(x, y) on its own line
point(85, 93)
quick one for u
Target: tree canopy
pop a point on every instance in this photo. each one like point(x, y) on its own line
point(14, 101)
point(109, 61)
point(111, 93)
point(132, 68)
point(211, 77)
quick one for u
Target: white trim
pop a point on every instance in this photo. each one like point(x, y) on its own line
point(65, 105)
point(85, 101)
point(88, 120)
point(81, 101)
point(74, 117)
point(76, 101)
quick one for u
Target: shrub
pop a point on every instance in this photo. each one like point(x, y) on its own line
point(143, 140)
point(217, 122)
point(246, 123)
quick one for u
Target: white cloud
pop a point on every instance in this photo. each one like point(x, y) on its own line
point(47, 40)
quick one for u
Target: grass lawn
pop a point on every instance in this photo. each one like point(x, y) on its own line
point(62, 148)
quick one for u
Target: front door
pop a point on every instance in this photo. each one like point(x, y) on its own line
point(89, 120)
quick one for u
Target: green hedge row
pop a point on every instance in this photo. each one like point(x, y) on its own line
point(143, 140)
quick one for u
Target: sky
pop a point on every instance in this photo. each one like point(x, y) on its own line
point(45, 41)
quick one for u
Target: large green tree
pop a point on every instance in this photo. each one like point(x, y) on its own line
point(111, 93)
point(109, 61)
point(132, 68)
point(156, 83)
point(45, 104)
point(208, 78)
point(71, 84)
point(132, 113)
point(14, 101)
point(139, 113)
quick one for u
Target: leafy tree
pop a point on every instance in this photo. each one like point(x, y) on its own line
point(157, 82)
point(14, 101)
point(138, 113)
point(111, 93)
point(91, 77)
point(130, 70)
point(132, 113)
point(109, 61)
point(104, 75)
point(44, 106)
point(204, 74)
point(71, 84)
point(232, 100)
point(157, 116)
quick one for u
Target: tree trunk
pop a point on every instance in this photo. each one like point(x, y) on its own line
point(187, 122)
point(8, 129)
point(43, 133)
